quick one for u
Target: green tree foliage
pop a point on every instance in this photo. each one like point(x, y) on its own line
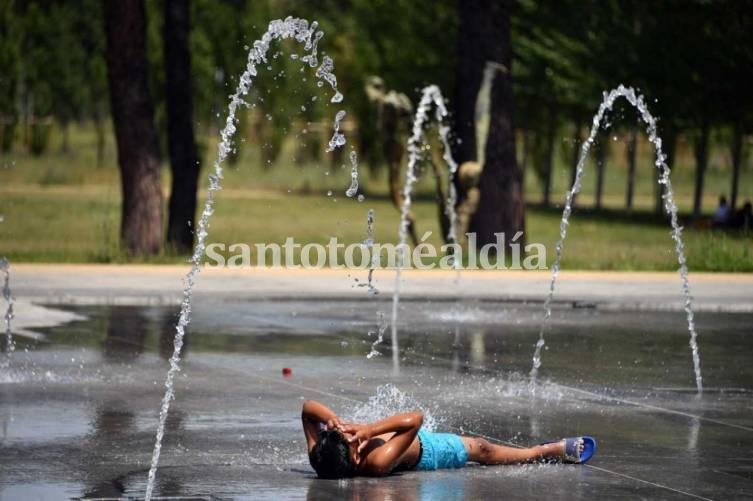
point(693, 59)
point(408, 44)
point(52, 59)
point(10, 60)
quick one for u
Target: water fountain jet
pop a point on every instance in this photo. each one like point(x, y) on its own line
point(430, 95)
point(368, 245)
point(10, 345)
point(308, 36)
point(670, 208)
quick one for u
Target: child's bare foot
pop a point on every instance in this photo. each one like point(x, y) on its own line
point(579, 444)
point(569, 450)
point(578, 450)
point(578, 447)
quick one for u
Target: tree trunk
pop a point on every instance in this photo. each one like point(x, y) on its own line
point(501, 205)
point(577, 144)
point(99, 128)
point(65, 145)
point(527, 143)
point(549, 159)
point(133, 116)
point(737, 160)
point(469, 74)
point(631, 154)
point(670, 147)
point(184, 162)
point(701, 148)
point(602, 150)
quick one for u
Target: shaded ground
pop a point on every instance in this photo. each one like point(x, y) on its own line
point(78, 412)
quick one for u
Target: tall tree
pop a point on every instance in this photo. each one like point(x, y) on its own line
point(602, 154)
point(736, 149)
point(544, 135)
point(701, 152)
point(734, 74)
point(577, 143)
point(484, 36)
point(551, 132)
point(474, 50)
point(135, 134)
point(632, 151)
point(670, 147)
point(10, 61)
point(184, 162)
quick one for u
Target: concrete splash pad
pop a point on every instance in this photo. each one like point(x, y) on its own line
point(78, 411)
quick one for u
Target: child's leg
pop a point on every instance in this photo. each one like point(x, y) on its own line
point(484, 452)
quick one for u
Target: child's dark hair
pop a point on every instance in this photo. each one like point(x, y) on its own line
point(330, 457)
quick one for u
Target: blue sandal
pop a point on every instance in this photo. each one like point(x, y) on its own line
point(571, 449)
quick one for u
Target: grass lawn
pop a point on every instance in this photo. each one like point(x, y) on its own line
point(60, 208)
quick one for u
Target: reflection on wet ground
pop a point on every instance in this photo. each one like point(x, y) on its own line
point(79, 409)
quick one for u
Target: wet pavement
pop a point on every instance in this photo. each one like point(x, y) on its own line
point(78, 408)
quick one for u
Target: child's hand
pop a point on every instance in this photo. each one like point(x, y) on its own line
point(335, 424)
point(351, 428)
point(360, 433)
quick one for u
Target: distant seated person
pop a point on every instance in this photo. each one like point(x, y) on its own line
point(338, 449)
point(723, 213)
point(743, 218)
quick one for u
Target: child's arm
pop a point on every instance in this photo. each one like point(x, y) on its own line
point(312, 415)
point(383, 459)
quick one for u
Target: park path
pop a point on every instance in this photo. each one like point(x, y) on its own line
point(162, 284)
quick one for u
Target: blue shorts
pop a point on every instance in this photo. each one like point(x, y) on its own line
point(441, 450)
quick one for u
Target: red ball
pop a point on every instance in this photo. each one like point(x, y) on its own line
point(287, 371)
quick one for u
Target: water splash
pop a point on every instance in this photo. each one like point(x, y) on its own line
point(390, 400)
point(353, 189)
point(338, 138)
point(669, 206)
point(381, 328)
point(338, 141)
point(430, 95)
point(452, 193)
point(371, 290)
point(308, 36)
point(367, 245)
point(10, 345)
